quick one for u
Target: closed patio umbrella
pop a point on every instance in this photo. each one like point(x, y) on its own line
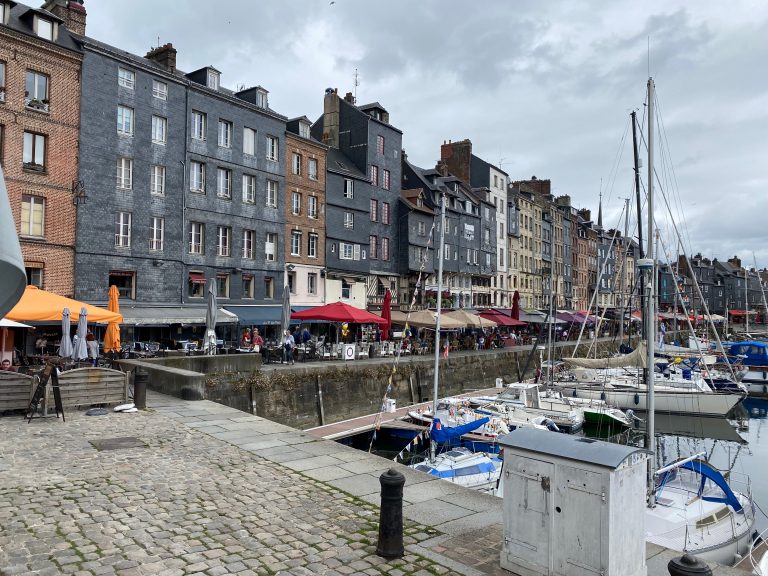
point(112, 335)
point(386, 314)
point(210, 321)
point(285, 312)
point(65, 349)
point(80, 351)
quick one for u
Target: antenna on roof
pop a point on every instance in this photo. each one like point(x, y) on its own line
point(356, 83)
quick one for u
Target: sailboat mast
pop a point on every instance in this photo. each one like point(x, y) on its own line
point(650, 318)
point(622, 279)
point(641, 289)
point(439, 303)
point(746, 299)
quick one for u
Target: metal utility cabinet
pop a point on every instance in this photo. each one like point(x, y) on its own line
point(572, 506)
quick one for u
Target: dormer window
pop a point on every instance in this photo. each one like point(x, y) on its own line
point(3, 13)
point(304, 129)
point(213, 79)
point(261, 99)
point(44, 28)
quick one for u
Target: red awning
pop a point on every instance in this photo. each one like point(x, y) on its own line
point(196, 278)
point(501, 319)
point(339, 312)
point(741, 312)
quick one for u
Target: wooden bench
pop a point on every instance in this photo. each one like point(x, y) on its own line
point(85, 387)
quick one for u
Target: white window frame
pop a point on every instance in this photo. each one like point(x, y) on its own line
point(373, 249)
point(123, 230)
point(223, 241)
point(222, 285)
point(312, 283)
point(385, 179)
point(312, 166)
point(349, 188)
point(385, 248)
point(249, 189)
point(159, 90)
point(32, 216)
point(386, 214)
point(156, 233)
point(296, 164)
point(199, 125)
point(45, 29)
point(196, 238)
point(374, 175)
point(197, 176)
point(296, 203)
point(422, 230)
point(126, 78)
point(312, 207)
point(223, 182)
point(41, 83)
point(2, 65)
point(249, 243)
point(380, 144)
point(295, 243)
point(159, 130)
point(312, 240)
point(125, 120)
point(124, 174)
point(212, 79)
point(33, 143)
point(272, 148)
point(270, 246)
point(248, 283)
point(225, 133)
point(374, 210)
point(304, 130)
point(349, 220)
point(157, 180)
point(346, 250)
point(249, 141)
point(271, 200)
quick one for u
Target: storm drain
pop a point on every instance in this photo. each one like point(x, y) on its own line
point(118, 443)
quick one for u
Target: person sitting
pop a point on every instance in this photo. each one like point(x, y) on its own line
point(306, 336)
point(6, 366)
point(257, 340)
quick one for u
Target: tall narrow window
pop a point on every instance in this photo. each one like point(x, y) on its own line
point(156, 233)
point(123, 230)
point(157, 180)
point(271, 148)
point(269, 288)
point(34, 151)
point(125, 173)
point(249, 141)
point(222, 285)
point(380, 145)
point(223, 183)
point(385, 213)
point(385, 179)
point(312, 283)
point(196, 284)
point(312, 246)
point(312, 168)
point(296, 203)
point(374, 210)
point(159, 130)
point(374, 175)
point(247, 283)
point(296, 164)
point(36, 91)
point(385, 248)
point(272, 193)
point(197, 177)
point(349, 188)
point(249, 241)
point(126, 78)
point(125, 120)
point(196, 237)
point(373, 252)
point(2, 71)
point(223, 240)
point(312, 207)
point(270, 247)
point(159, 90)
point(349, 220)
point(32, 216)
point(198, 125)
point(225, 133)
point(249, 188)
point(295, 243)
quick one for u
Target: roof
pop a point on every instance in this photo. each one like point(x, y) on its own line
point(371, 106)
point(164, 316)
point(337, 162)
point(410, 198)
point(20, 21)
point(578, 448)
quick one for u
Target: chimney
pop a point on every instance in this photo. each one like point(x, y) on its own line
point(331, 118)
point(442, 167)
point(164, 55)
point(349, 98)
point(458, 158)
point(71, 11)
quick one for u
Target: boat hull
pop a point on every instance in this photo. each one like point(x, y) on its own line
point(673, 402)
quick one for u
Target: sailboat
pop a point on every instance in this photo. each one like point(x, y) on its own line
point(691, 506)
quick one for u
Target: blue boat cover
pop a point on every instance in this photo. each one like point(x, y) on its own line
point(707, 472)
point(481, 468)
point(442, 434)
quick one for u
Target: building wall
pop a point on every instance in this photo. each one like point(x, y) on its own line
point(54, 251)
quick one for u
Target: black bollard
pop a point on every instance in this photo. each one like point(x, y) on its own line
point(688, 565)
point(140, 379)
point(391, 518)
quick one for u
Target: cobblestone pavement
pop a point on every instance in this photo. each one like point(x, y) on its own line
point(184, 503)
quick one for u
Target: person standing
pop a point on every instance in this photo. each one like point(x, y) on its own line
point(288, 345)
point(257, 340)
point(93, 347)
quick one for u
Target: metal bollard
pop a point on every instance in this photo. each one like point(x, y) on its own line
point(688, 565)
point(391, 518)
point(140, 379)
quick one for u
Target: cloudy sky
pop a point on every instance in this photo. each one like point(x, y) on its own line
point(541, 88)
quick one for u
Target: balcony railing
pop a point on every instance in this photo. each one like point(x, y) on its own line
point(35, 104)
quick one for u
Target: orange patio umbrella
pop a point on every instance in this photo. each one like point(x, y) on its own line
point(112, 335)
point(38, 305)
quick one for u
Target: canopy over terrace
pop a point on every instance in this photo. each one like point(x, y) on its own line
point(470, 320)
point(38, 305)
point(426, 319)
point(501, 319)
point(536, 317)
point(339, 312)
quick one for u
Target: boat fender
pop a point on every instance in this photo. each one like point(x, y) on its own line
point(551, 426)
point(602, 396)
point(637, 398)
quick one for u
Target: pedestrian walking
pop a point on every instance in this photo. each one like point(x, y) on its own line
point(288, 345)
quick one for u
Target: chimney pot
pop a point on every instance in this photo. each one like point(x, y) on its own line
point(164, 55)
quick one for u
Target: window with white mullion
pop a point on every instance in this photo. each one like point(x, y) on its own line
point(157, 234)
point(270, 247)
point(159, 130)
point(197, 177)
point(223, 237)
point(312, 207)
point(225, 133)
point(196, 237)
point(295, 243)
point(272, 193)
point(157, 180)
point(249, 141)
point(271, 148)
point(198, 125)
point(123, 230)
point(125, 173)
point(159, 90)
point(224, 183)
point(312, 246)
point(125, 120)
point(249, 241)
point(126, 78)
point(249, 188)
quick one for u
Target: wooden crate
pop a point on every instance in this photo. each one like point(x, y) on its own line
point(84, 387)
point(16, 390)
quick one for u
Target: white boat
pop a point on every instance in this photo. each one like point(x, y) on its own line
point(461, 466)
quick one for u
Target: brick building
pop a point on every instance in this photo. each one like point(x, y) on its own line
point(40, 65)
point(305, 171)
